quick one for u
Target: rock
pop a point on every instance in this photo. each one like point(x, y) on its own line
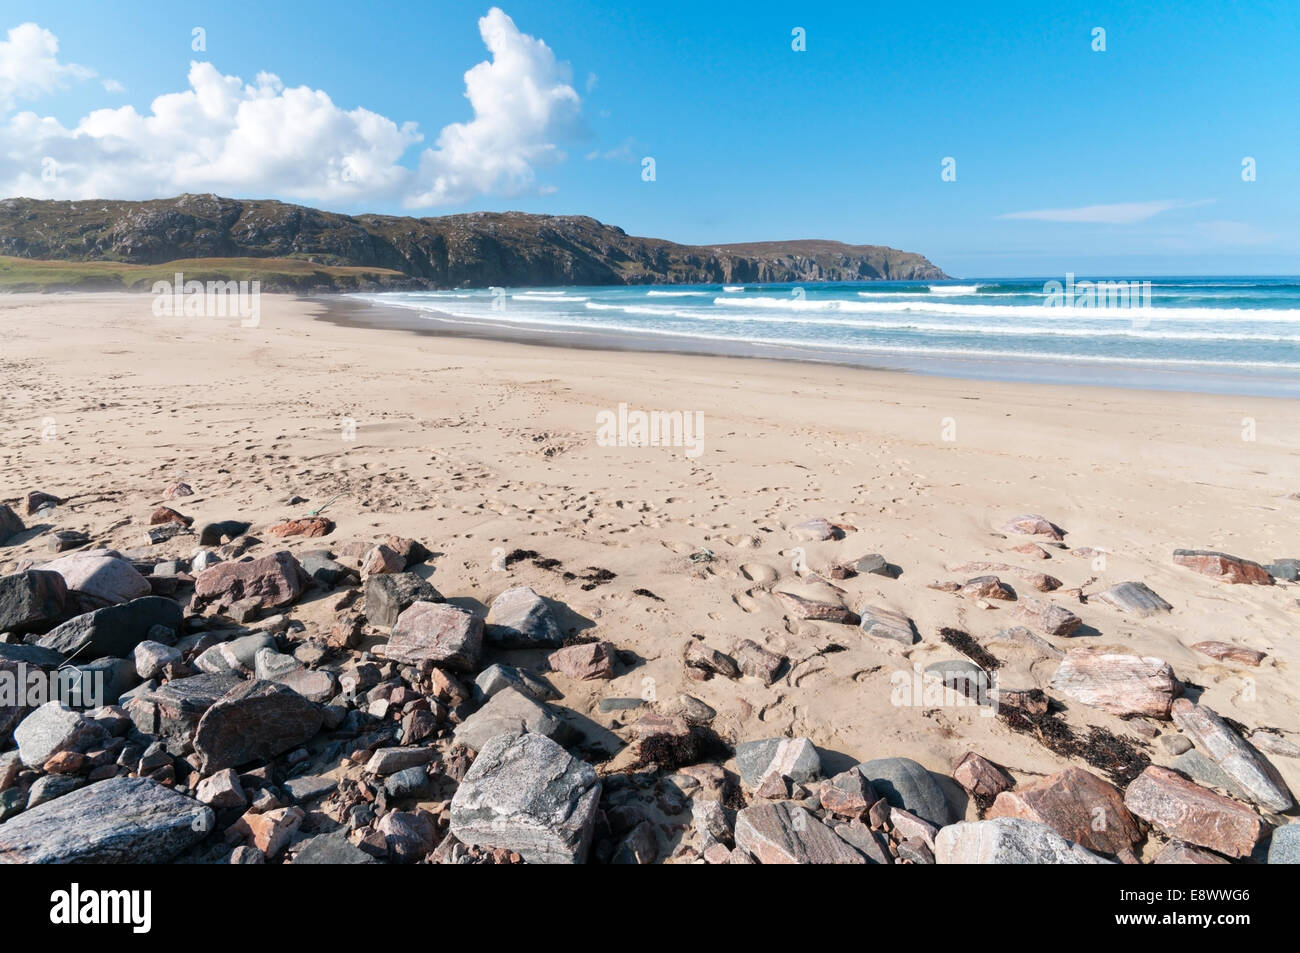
point(872, 845)
point(1118, 683)
point(590, 660)
point(987, 587)
point(160, 534)
point(270, 831)
point(391, 760)
point(236, 657)
point(527, 794)
point(37, 501)
point(520, 619)
point(509, 712)
point(312, 526)
point(50, 729)
point(1251, 771)
point(436, 632)
point(32, 601)
point(1176, 852)
point(254, 720)
point(1191, 813)
point(872, 564)
point(1134, 597)
point(61, 540)
point(11, 524)
point(1007, 840)
point(783, 833)
point(409, 782)
point(498, 676)
point(101, 577)
point(848, 794)
point(214, 534)
point(887, 624)
point(690, 709)
point(1078, 805)
point(816, 529)
point(174, 709)
point(1032, 525)
point(1223, 651)
point(1021, 637)
point(795, 759)
point(152, 659)
point(980, 777)
point(638, 847)
point(177, 490)
point(325, 571)
point(699, 656)
point(665, 740)
point(310, 787)
point(112, 631)
point(1284, 847)
point(389, 595)
point(1225, 568)
point(275, 580)
point(221, 789)
point(52, 786)
point(757, 662)
point(412, 552)
point(330, 849)
point(905, 783)
point(1046, 617)
point(1269, 743)
point(121, 820)
point(382, 559)
point(165, 514)
point(802, 606)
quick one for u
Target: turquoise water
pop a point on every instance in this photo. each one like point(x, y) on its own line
point(1231, 335)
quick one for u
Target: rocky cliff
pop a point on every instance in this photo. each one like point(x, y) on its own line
point(471, 250)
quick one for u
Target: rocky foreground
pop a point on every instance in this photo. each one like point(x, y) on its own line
point(201, 718)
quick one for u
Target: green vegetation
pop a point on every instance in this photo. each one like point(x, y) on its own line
point(275, 274)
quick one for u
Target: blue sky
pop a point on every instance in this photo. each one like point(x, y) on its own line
point(1127, 161)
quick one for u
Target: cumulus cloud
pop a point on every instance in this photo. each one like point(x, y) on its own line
point(1120, 213)
point(264, 138)
point(30, 67)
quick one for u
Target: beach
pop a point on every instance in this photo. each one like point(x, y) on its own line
point(480, 448)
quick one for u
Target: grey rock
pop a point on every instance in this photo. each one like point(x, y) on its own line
point(1134, 597)
point(325, 571)
point(446, 635)
point(214, 534)
point(53, 728)
point(527, 794)
point(520, 618)
point(11, 524)
point(1008, 840)
point(873, 846)
point(793, 758)
point(30, 655)
point(310, 787)
point(236, 657)
point(52, 786)
point(409, 782)
point(330, 849)
point(100, 682)
point(174, 709)
point(102, 577)
point(887, 624)
point(388, 595)
point(115, 630)
point(1284, 847)
point(32, 601)
point(152, 658)
point(905, 783)
point(1250, 771)
point(498, 676)
point(121, 820)
point(510, 712)
point(779, 832)
point(254, 720)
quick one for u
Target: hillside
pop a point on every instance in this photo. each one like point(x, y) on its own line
point(470, 250)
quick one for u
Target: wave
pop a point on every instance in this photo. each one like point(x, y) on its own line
point(733, 288)
point(1014, 311)
point(678, 294)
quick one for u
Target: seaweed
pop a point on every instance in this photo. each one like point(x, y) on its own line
point(1101, 748)
point(968, 647)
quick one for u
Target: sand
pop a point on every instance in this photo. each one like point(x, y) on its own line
point(479, 447)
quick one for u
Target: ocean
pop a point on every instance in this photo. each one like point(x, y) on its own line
point(1230, 335)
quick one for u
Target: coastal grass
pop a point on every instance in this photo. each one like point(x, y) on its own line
point(28, 275)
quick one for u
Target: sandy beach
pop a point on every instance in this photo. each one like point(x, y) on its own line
point(480, 448)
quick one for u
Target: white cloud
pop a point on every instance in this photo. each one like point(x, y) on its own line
point(1121, 213)
point(30, 67)
point(112, 86)
point(522, 99)
point(265, 139)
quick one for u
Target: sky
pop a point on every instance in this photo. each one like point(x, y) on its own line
point(995, 138)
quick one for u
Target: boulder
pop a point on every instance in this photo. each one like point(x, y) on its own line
point(32, 601)
point(121, 820)
point(779, 832)
point(888, 624)
point(497, 676)
point(254, 720)
point(521, 619)
point(510, 712)
point(11, 524)
point(757, 662)
point(1118, 683)
point(1188, 812)
point(1225, 568)
point(1135, 598)
point(1078, 805)
point(526, 794)
point(436, 632)
point(1251, 771)
point(1284, 846)
point(312, 526)
point(388, 595)
point(114, 630)
point(1225, 652)
point(272, 581)
point(236, 657)
point(1007, 840)
point(905, 783)
point(331, 849)
point(174, 709)
point(51, 729)
point(980, 777)
point(586, 661)
point(100, 577)
point(795, 759)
